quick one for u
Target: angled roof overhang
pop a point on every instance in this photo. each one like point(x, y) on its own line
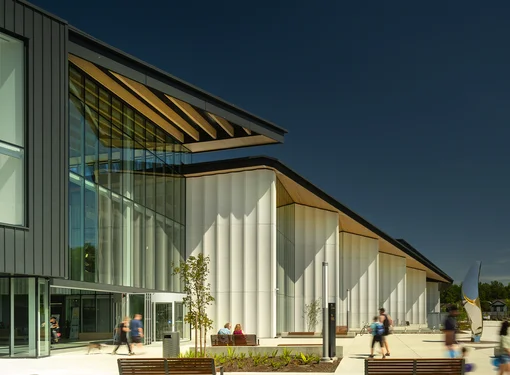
point(301, 191)
point(199, 120)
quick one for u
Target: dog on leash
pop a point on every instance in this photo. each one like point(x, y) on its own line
point(95, 345)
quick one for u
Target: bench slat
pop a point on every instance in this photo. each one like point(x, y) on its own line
point(451, 366)
point(166, 366)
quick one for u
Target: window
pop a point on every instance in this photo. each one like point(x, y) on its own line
point(12, 124)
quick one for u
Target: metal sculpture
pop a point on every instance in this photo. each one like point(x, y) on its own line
point(471, 300)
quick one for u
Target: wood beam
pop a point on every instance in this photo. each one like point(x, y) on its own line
point(223, 123)
point(157, 103)
point(248, 131)
point(125, 95)
point(193, 114)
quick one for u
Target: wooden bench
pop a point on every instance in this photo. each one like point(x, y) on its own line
point(168, 366)
point(341, 330)
point(431, 366)
point(234, 340)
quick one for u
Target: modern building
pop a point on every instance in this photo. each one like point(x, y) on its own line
point(98, 199)
point(267, 231)
point(92, 195)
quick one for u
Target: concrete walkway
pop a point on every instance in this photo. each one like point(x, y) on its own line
point(422, 346)
point(77, 362)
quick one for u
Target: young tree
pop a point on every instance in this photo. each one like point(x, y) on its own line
point(312, 314)
point(193, 273)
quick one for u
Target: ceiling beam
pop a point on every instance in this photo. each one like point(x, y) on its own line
point(161, 106)
point(125, 95)
point(193, 114)
point(228, 143)
point(223, 123)
point(248, 131)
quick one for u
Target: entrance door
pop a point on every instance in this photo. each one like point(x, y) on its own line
point(164, 319)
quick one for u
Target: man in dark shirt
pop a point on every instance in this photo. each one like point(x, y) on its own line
point(136, 328)
point(450, 330)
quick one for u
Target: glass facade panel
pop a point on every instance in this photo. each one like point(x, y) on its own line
point(5, 317)
point(91, 216)
point(23, 290)
point(12, 90)
point(44, 318)
point(89, 314)
point(117, 241)
point(76, 231)
point(91, 144)
point(104, 251)
point(164, 319)
point(139, 245)
point(24, 317)
point(12, 131)
point(126, 220)
point(104, 148)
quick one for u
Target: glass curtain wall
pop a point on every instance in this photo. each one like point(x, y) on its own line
point(24, 317)
point(126, 192)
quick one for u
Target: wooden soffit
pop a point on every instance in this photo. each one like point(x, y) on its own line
point(113, 86)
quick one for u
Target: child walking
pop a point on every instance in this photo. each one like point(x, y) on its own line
point(377, 330)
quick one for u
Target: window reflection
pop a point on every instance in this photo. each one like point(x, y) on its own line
point(126, 219)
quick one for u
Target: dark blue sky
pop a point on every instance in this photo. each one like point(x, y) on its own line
point(400, 111)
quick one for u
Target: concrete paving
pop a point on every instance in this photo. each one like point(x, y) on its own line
point(422, 346)
point(77, 362)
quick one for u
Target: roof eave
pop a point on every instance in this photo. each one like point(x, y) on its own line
point(137, 69)
point(260, 161)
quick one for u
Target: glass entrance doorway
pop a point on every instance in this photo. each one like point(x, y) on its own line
point(169, 316)
point(24, 317)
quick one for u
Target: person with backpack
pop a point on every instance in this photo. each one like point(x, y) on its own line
point(377, 330)
point(387, 324)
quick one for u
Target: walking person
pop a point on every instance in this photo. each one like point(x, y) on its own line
point(136, 331)
point(387, 323)
point(450, 331)
point(503, 350)
point(377, 330)
point(121, 336)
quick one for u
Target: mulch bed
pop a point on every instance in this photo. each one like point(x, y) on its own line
point(247, 365)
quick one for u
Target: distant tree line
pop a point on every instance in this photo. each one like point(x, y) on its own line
point(489, 292)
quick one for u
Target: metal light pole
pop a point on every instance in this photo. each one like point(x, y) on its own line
point(348, 300)
point(325, 315)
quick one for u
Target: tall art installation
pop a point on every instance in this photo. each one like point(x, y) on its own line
point(471, 300)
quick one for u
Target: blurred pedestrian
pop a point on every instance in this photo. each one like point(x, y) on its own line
point(121, 336)
point(136, 330)
point(387, 323)
point(503, 350)
point(450, 331)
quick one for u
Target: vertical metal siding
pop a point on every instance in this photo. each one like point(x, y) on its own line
point(29, 138)
point(41, 248)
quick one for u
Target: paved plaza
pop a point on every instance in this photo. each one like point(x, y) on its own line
point(77, 362)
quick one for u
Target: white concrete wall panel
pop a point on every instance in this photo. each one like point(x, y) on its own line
point(232, 219)
point(433, 298)
point(316, 241)
point(286, 267)
point(359, 272)
point(392, 286)
point(416, 281)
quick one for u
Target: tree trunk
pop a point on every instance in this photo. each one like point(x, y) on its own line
point(201, 332)
point(196, 338)
point(205, 339)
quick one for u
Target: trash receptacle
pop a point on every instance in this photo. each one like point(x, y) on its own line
point(171, 345)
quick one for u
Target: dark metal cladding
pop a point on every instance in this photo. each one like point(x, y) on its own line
point(40, 248)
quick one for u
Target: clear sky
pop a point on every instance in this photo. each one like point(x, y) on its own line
point(400, 110)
